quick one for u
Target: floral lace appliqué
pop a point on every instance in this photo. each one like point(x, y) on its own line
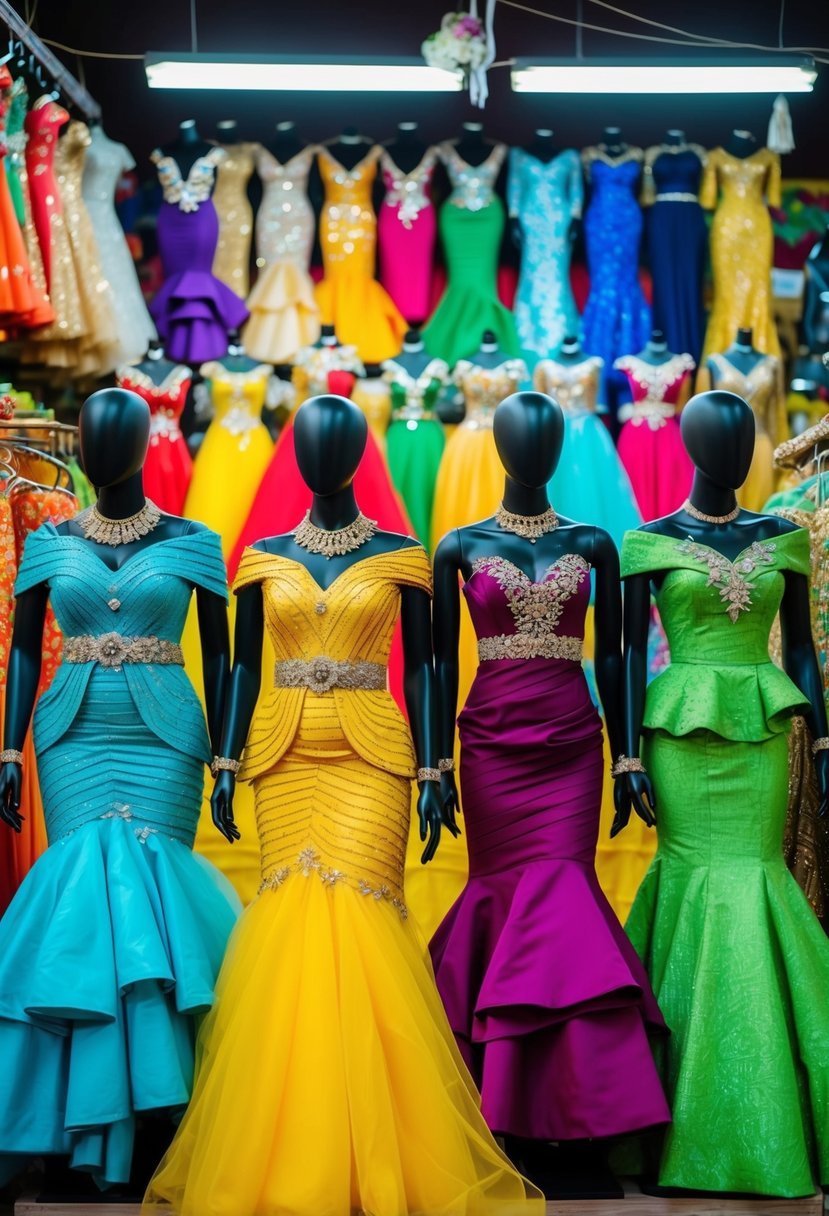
point(728, 576)
point(536, 607)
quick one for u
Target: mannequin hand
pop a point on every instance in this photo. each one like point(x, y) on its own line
point(640, 791)
point(221, 804)
point(623, 804)
point(430, 813)
point(822, 773)
point(451, 803)
point(11, 776)
point(515, 232)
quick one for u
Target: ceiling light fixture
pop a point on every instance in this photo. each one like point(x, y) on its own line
point(777, 74)
point(288, 73)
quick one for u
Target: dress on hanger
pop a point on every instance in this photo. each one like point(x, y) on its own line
point(23, 304)
point(718, 911)
point(18, 100)
point(284, 316)
point(559, 1051)
point(677, 238)
point(329, 1079)
point(105, 161)
point(471, 226)
point(17, 140)
point(650, 444)
point(349, 297)
point(168, 467)
point(231, 263)
point(590, 484)
point(406, 231)
point(42, 126)
point(415, 440)
point(194, 311)
point(111, 948)
point(617, 319)
point(545, 197)
point(741, 247)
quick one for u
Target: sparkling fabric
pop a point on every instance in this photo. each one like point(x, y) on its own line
point(285, 219)
point(230, 198)
point(650, 444)
point(407, 230)
point(415, 438)
point(761, 388)
point(23, 302)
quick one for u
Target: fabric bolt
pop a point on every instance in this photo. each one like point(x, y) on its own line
point(116, 936)
point(545, 198)
point(328, 931)
point(650, 444)
point(168, 466)
point(738, 960)
point(406, 232)
point(231, 263)
point(471, 224)
point(415, 439)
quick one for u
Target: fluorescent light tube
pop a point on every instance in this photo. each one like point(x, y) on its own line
point(780, 75)
point(288, 74)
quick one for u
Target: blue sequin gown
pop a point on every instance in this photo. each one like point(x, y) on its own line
point(111, 948)
point(617, 319)
point(545, 198)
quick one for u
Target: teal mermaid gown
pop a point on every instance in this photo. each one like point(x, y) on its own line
point(110, 950)
point(738, 961)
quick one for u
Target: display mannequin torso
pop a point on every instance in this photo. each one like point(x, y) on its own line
point(407, 149)
point(188, 148)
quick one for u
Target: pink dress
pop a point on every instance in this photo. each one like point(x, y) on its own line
point(169, 465)
point(406, 230)
point(650, 444)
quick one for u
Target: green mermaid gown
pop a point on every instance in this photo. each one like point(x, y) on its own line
point(415, 439)
point(738, 961)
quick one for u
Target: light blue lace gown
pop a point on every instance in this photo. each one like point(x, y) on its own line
point(110, 950)
point(545, 198)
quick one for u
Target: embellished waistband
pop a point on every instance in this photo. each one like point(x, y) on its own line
point(413, 412)
point(676, 196)
point(524, 646)
point(651, 410)
point(115, 649)
point(322, 674)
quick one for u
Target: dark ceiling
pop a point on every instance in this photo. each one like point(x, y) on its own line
point(142, 118)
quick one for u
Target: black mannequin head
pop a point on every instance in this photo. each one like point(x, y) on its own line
point(227, 131)
point(114, 433)
point(529, 432)
point(188, 132)
point(330, 436)
point(718, 430)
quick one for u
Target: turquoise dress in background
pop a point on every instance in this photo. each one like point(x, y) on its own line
point(545, 198)
point(110, 950)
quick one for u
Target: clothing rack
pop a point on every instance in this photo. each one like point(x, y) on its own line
point(71, 88)
point(53, 436)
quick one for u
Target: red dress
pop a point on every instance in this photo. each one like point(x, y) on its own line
point(22, 305)
point(169, 465)
point(42, 125)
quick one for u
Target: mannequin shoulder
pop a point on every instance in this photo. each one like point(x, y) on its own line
point(396, 542)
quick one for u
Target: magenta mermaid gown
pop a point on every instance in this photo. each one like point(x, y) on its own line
point(550, 1005)
point(406, 233)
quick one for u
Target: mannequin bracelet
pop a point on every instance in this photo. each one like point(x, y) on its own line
point(627, 764)
point(428, 774)
point(820, 745)
point(224, 764)
point(11, 756)
point(446, 766)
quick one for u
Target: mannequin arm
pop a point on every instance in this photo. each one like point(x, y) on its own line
point(801, 665)
point(608, 664)
point(446, 626)
point(242, 694)
point(21, 691)
point(215, 651)
point(421, 703)
point(637, 622)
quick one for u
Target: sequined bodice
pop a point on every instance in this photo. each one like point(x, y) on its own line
point(749, 178)
point(758, 387)
point(614, 178)
point(415, 396)
point(349, 225)
point(348, 187)
point(675, 173)
point(552, 190)
point(656, 381)
point(408, 192)
point(285, 219)
point(105, 162)
point(575, 386)
point(70, 158)
point(473, 186)
point(166, 399)
point(485, 387)
point(237, 398)
point(233, 173)
point(317, 363)
point(188, 193)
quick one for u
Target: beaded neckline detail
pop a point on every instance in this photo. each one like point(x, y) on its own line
point(334, 542)
point(730, 577)
point(531, 527)
point(96, 526)
point(710, 519)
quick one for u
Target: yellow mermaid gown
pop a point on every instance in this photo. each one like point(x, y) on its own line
point(328, 1081)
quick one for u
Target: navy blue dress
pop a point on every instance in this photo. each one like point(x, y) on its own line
point(677, 243)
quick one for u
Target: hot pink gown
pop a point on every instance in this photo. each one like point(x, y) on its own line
point(406, 231)
point(650, 444)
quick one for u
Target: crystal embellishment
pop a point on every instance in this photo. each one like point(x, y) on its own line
point(310, 863)
point(113, 604)
point(730, 577)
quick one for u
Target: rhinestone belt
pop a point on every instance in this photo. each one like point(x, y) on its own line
point(114, 649)
point(322, 674)
point(525, 646)
point(676, 196)
point(651, 410)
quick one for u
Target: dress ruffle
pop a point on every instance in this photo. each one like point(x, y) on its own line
point(194, 312)
point(108, 953)
point(741, 702)
point(284, 317)
point(463, 314)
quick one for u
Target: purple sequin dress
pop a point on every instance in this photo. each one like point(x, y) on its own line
point(550, 1005)
point(194, 311)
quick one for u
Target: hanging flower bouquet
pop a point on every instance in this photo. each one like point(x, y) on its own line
point(459, 45)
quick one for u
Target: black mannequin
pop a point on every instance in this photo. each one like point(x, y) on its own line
point(155, 364)
point(740, 354)
point(489, 354)
point(330, 437)
point(189, 146)
point(350, 148)
point(613, 142)
point(327, 337)
point(407, 148)
point(741, 144)
point(655, 351)
point(114, 431)
point(571, 354)
point(718, 430)
point(816, 303)
point(236, 360)
point(413, 357)
point(286, 143)
point(472, 146)
point(227, 132)
point(675, 138)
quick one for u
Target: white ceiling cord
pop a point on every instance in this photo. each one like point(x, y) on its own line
point(478, 87)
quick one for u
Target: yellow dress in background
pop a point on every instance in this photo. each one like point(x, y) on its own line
point(761, 388)
point(349, 297)
point(231, 263)
point(741, 247)
point(328, 1080)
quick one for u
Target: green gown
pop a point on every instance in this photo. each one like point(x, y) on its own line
point(415, 439)
point(738, 961)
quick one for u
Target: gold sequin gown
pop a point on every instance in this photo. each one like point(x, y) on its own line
point(741, 247)
point(329, 1081)
point(350, 298)
point(230, 198)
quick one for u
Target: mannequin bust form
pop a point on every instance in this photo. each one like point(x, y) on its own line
point(188, 147)
point(655, 350)
point(472, 146)
point(570, 353)
point(236, 360)
point(740, 354)
point(407, 148)
point(285, 143)
point(327, 337)
point(718, 430)
point(114, 431)
point(413, 357)
point(816, 304)
point(227, 131)
point(741, 144)
point(155, 364)
point(330, 436)
point(489, 354)
point(349, 147)
point(612, 142)
point(675, 138)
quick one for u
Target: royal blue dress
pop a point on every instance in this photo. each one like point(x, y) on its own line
point(110, 950)
point(677, 244)
point(617, 319)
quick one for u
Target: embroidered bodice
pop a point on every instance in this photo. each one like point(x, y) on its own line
point(673, 175)
point(238, 398)
point(484, 388)
point(166, 400)
point(517, 618)
point(544, 188)
point(348, 225)
point(753, 179)
point(613, 177)
point(759, 387)
point(188, 193)
point(473, 186)
point(42, 125)
point(575, 386)
point(655, 387)
point(408, 192)
point(414, 397)
point(314, 364)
